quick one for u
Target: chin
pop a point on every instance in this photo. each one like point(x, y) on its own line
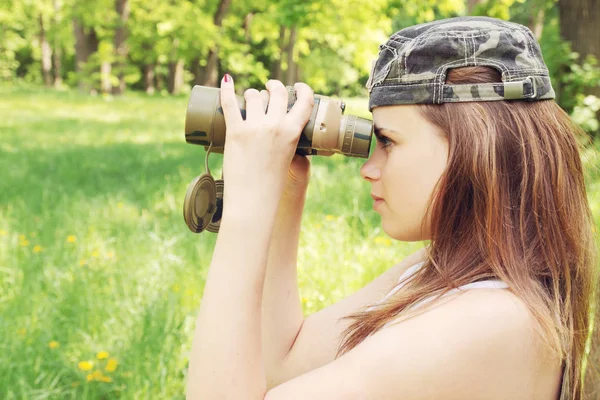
point(403, 235)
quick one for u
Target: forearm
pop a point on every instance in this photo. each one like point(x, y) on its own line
point(282, 314)
point(226, 358)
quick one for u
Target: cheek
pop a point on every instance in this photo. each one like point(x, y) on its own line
point(410, 177)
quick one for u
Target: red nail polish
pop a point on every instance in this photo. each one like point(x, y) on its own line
point(227, 78)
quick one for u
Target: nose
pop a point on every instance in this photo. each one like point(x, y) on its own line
point(369, 170)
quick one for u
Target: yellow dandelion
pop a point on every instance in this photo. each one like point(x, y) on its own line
point(104, 378)
point(175, 288)
point(71, 239)
point(111, 365)
point(329, 217)
point(102, 355)
point(304, 299)
point(119, 205)
point(318, 226)
point(96, 375)
point(22, 331)
point(89, 377)
point(3, 232)
point(22, 237)
point(54, 344)
point(383, 240)
point(37, 248)
point(95, 253)
point(25, 243)
point(82, 263)
point(85, 365)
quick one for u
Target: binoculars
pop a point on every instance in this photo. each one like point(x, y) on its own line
point(327, 132)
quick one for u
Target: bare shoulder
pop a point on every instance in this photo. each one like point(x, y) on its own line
point(477, 344)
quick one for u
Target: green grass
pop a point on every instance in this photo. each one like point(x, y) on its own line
point(95, 255)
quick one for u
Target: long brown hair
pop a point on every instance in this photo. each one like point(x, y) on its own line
point(510, 205)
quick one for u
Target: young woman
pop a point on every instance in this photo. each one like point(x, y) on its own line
point(473, 155)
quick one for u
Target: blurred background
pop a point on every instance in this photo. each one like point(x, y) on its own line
point(100, 278)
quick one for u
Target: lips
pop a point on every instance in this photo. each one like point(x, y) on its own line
point(376, 197)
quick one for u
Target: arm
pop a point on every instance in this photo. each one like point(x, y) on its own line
point(226, 360)
point(282, 315)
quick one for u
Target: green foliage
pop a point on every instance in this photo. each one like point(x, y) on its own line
point(579, 77)
point(585, 112)
point(336, 41)
point(496, 8)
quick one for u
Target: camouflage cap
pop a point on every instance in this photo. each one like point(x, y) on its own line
point(412, 65)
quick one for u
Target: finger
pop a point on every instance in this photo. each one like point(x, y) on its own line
point(254, 108)
point(229, 103)
point(305, 100)
point(279, 97)
point(264, 95)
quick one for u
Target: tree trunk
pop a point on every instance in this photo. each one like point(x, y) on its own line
point(57, 64)
point(276, 69)
point(175, 81)
point(197, 71)
point(247, 24)
point(210, 73)
point(291, 64)
point(86, 44)
point(46, 54)
point(121, 49)
point(471, 4)
point(57, 53)
point(159, 78)
point(536, 22)
point(579, 25)
point(105, 81)
point(149, 78)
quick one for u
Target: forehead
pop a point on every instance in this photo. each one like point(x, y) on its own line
point(405, 120)
point(399, 116)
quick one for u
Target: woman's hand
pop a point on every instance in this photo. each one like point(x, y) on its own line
point(257, 163)
point(298, 176)
point(299, 171)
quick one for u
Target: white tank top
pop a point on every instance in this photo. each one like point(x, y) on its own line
point(487, 284)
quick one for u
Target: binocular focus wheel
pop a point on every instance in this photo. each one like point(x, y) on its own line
point(200, 203)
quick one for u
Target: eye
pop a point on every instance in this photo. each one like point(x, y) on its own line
point(383, 140)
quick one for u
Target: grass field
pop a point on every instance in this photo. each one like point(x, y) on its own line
point(100, 279)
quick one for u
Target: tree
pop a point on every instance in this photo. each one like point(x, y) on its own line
point(57, 44)
point(579, 24)
point(86, 43)
point(120, 45)
point(208, 76)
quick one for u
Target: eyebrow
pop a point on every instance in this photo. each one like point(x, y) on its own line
point(378, 130)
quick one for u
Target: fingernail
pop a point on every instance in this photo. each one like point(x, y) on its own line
point(227, 78)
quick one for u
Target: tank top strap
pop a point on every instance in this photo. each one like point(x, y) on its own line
point(487, 284)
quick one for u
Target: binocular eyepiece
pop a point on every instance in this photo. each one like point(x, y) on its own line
point(327, 132)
